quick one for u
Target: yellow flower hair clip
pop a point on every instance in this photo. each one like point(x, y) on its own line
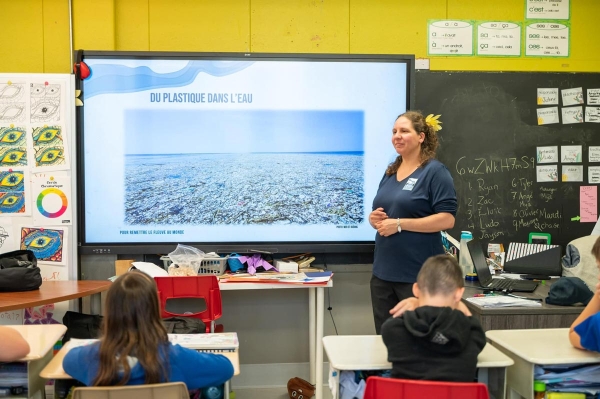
point(433, 122)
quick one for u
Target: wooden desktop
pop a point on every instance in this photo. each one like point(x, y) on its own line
point(53, 292)
point(546, 316)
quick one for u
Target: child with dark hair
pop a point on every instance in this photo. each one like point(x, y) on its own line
point(585, 330)
point(135, 349)
point(434, 336)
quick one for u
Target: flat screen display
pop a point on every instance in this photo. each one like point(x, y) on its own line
point(235, 151)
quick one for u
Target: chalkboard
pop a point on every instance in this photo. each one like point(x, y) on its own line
point(489, 141)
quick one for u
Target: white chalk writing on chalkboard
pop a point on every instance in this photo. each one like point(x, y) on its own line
point(494, 119)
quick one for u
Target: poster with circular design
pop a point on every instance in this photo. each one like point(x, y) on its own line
point(47, 203)
point(52, 196)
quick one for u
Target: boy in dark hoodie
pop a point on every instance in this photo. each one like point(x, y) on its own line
point(433, 336)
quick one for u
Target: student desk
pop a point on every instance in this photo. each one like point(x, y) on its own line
point(54, 370)
point(41, 339)
point(530, 347)
point(316, 312)
point(368, 352)
point(55, 291)
point(547, 316)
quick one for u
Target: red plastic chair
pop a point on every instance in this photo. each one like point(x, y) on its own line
point(204, 287)
point(393, 388)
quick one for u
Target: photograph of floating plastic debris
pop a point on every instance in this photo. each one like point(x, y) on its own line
point(242, 167)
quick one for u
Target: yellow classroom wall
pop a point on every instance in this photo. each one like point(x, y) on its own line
point(36, 34)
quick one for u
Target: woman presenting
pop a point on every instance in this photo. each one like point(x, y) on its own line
point(415, 201)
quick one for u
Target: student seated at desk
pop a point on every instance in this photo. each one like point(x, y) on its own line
point(12, 345)
point(585, 330)
point(433, 336)
point(135, 349)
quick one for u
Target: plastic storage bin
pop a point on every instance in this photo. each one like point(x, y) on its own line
point(211, 266)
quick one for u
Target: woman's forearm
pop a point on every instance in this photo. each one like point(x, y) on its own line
point(428, 224)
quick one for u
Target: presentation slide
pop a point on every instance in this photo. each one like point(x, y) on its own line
point(207, 151)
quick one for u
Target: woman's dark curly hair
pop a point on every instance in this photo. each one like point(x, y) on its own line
point(428, 146)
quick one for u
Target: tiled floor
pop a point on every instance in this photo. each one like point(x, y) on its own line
point(271, 393)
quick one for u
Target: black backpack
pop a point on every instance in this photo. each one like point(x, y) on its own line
point(19, 271)
point(81, 326)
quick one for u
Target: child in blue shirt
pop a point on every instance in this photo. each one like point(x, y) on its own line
point(135, 349)
point(585, 330)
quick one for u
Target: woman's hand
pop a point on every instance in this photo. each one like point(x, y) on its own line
point(377, 216)
point(403, 306)
point(387, 227)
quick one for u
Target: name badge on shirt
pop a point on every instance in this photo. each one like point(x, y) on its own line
point(410, 184)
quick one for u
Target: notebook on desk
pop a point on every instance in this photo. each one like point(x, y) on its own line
point(485, 277)
point(215, 342)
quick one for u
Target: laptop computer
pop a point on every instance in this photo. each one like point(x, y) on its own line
point(485, 277)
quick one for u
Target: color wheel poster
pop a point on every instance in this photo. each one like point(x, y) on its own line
point(51, 193)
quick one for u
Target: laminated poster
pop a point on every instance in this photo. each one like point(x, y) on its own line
point(547, 96)
point(546, 116)
point(48, 245)
point(49, 148)
point(546, 173)
point(594, 174)
point(570, 153)
point(547, 9)
point(592, 114)
point(14, 193)
point(572, 115)
point(52, 195)
point(547, 154)
point(572, 96)
point(593, 96)
point(594, 153)
point(588, 204)
point(572, 173)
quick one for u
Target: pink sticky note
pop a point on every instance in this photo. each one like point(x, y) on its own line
point(588, 203)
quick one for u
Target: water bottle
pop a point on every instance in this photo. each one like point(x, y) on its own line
point(464, 260)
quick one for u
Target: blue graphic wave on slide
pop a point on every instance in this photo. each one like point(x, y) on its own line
point(112, 78)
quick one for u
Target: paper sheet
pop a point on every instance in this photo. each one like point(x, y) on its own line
point(572, 173)
point(588, 203)
point(501, 301)
point(547, 154)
